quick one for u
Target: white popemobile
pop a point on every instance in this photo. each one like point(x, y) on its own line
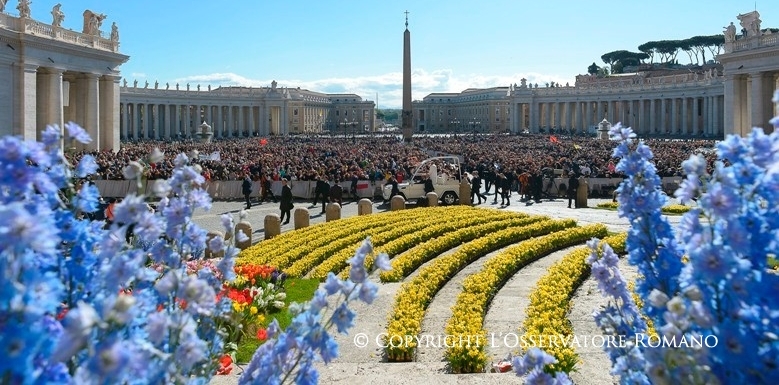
point(445, 172)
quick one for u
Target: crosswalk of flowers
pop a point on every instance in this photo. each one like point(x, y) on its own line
point(293, 244)
point(546, 315)
point(415, 295)
point(409, 261)
point(494, 219)
point(469, 354)
point(343, 248)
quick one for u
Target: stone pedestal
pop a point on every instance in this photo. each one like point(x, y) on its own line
point(272, 225)
point(364, 207)
point(208, 253)
point(465, 192)
point(397, 203)
point(581, 193)
point(432, 199)
point(302, 218)
point(245, 228)
point(332, 212)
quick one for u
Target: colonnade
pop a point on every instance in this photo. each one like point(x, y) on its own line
point(175, 121)
point(697, 116)
point(748, 100)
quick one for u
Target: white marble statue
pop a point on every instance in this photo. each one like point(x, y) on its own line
point(114, 32)
point(24, 8)
point(92, 22)
point(57, 16)
point(730, 33)
point(750, 22)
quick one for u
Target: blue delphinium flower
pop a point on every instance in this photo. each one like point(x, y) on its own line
point(705, 282)
point(289, 355)
point(112, 325)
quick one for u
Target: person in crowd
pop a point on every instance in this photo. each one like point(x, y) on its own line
point(336, 193)
point(353, 186)
point(322, 190)
point(476, 188)
point(429, 184)
point(286, 201)
point(505, 188)
point(266, 189)
point(573, 186)
point(246, 188)
point(395, 189)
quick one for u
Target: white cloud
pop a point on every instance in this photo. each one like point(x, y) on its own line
point(136, 75)
point(389, 86)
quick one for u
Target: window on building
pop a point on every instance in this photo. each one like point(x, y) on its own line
point(295, 112)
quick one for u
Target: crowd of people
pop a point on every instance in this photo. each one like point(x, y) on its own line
point(377, 158)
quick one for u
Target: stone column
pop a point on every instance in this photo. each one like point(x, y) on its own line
point(733, 90)
point(695, 113)
point(230, 122)
point(89, 108)
point(109, 113)
point(24, 102)
point(252, 127)
point(133, 118)
point(186, 121)
point(535, 117)
point(364, 207)
point(148, 122)
point(588, 111)
point(548, 111)
point(685, 116)
point(124, 130)
point(717, 123)
point(49, 100)
point(397, 203)
point(219, 124)
point(209, 117)
point(580, 126)
point(652, 121)
point(674, 116)
point(176, 120)
point(612, 112)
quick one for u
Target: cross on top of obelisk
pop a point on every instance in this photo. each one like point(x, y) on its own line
point(406, 19)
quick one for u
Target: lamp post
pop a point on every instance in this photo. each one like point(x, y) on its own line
point(454, 122)
point(473, 124)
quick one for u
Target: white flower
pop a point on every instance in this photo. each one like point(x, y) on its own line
point(657, 298)
point(133, 170)
point(278, 304)
point(156, 156)
point(693, 293)
point(676, 305)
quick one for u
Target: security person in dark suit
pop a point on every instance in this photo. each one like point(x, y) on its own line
point(246, 188)
point(323, 190)
point(573, 185)
point(476, 187)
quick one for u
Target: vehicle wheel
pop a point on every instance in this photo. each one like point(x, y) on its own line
point(449, 198)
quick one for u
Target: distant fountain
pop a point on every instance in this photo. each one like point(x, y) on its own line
point(205, 134)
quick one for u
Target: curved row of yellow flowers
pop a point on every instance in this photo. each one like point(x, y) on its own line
point(668, 209)
point(546, 315)
point(415, 295)
point(466, 325)
point(291, 245)
point(341, 250)
point(394, 244)
point(409, 261)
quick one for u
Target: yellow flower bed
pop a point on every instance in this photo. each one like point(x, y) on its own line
point(290, 246)
point(675, 209)
point(394, 244)
point(669, 209)
point(337, 253)
point(547, 313)
point(409, 261)
point(467, 321)
point(415, 295)
point(607, 205)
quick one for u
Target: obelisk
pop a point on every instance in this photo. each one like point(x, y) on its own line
point(407, 114)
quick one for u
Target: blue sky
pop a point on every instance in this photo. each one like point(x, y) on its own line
point(356, 46)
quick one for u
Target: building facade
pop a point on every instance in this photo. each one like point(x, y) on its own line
point(473, 110)
point(52, 75)
point(177, 112)
point(712, 101)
